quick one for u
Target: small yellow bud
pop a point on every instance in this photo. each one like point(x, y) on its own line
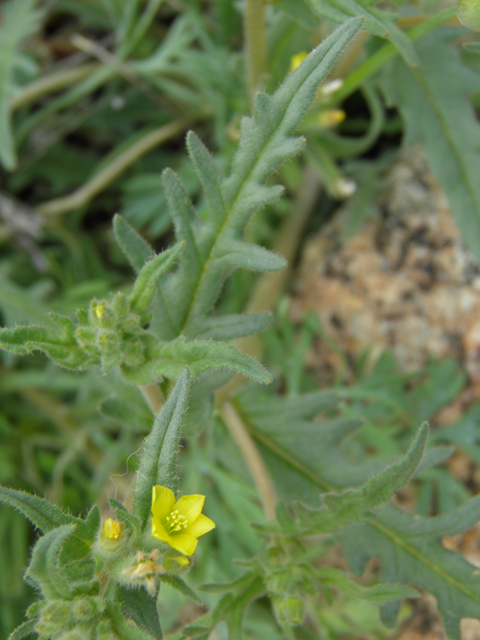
point(112, 530)
point(331, 117)
point(297, 59)
point(100, 310)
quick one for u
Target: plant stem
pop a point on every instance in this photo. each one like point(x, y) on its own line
point(252, 457)
point(153, 396)
point(51, 83)
point(255, 44)
point(375, 62)
point(111, 172)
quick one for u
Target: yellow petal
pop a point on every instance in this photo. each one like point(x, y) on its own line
point(190, 507)
point(184, 543)
point(163, 500)
point(159, 531)
point(201, 525)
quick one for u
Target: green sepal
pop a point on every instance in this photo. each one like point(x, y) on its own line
point(180, 585)
point(378, 593)
point(24, 630)
point(125, 517)
point(139, 606)
point(158, 457)
point(134, 247)
point(145, 284)
point(87, 529)
point(42, 513)
point(168, 359)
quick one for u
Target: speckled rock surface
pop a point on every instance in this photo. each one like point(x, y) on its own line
point(405, 282)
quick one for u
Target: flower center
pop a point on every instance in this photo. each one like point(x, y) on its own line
point(175, 522)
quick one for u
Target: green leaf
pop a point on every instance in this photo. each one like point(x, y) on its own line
point(169, 359)
point(24, 630)
point(44, 569)
point(410, 550)
point(158, 457)
point(214, 245)
point(180, 585)
point(139, 606)
point(408, 546)
point(377, 21)
point(122, 628)
point(57, 345)
point(136, 250)
point(43, 514)
point(228, 327)
point(124, 516)
point(146, 282)
point(442, 118)
point(352, 504)
point(18, 21)
point(379, 593)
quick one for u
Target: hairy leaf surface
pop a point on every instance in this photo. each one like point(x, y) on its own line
point(441, 116)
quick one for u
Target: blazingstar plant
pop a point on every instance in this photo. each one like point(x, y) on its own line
point(104, 576)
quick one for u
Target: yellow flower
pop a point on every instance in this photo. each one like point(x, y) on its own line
point(112, 530)
point(179, 523)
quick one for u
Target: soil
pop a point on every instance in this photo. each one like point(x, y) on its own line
point(405, 283)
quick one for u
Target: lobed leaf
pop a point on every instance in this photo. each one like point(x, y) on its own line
point(214, 245)
point(170, 358)
point(444, 121)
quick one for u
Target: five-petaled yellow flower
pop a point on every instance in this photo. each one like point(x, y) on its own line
point(179, 523)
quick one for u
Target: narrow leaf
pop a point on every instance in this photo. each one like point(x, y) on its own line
point(134, 247)
point(43, 514)
point(158, 457)
point(250, 256)
point(145, 285)
point(377, 21)
point(180, 585)
point(169, 360)
point(228, 327)
point(378, 593)
point(139, 606)
point(24, 630)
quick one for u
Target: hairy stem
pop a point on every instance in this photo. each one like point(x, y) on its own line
point(153, 396)
point(255, 44)
point(252, 457)
point(119, 165)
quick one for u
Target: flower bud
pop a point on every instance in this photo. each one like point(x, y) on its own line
point(112, 530)
point(289, 611)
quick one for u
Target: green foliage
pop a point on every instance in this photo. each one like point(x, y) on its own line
point(444, 122)
point(159, 455)
point(336, 456)
point(18, 21)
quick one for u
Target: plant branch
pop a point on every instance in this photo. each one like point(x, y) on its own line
point(252, 457)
